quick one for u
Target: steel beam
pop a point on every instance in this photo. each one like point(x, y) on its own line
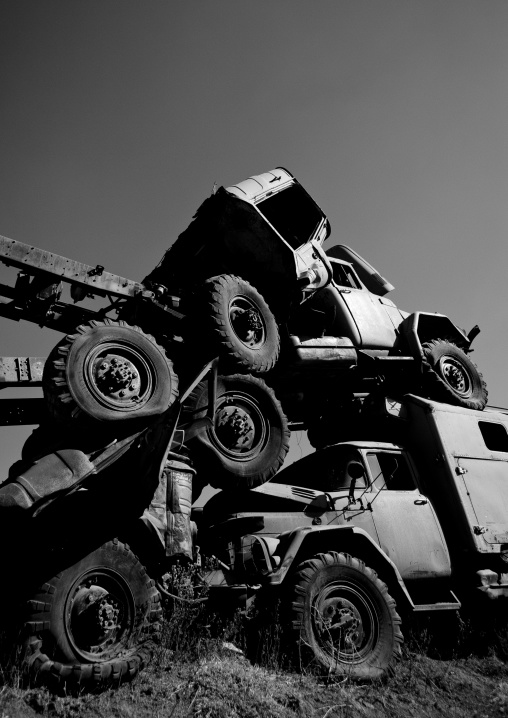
point(24, 256)
point(21, 371)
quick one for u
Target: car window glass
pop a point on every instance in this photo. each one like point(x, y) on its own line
point(494, 435)
point(343, 275)
point(390, 471)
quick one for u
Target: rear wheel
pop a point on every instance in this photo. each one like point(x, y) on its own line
point(344, 618)
point(108, 371)
point(95, 622)
point(450, 376)
point(238, 324)
point(248, 438)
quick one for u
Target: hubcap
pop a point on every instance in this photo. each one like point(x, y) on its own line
point(240, 429)
point(455, 375)
point(235, 428)
point(98, 616)
point(119, 376)
point(116, 377)
point(247, 322)
point(344, 622)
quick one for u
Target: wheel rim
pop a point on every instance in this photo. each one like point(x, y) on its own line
point(345, 622)
point(247, 322)
point(119, 376)
point(99, 615)
point(240, 430)
point(455, 375)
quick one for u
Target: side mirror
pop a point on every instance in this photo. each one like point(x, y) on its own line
point(356, 471)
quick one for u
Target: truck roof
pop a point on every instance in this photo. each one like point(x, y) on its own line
point(398, 408)
point(253, 188)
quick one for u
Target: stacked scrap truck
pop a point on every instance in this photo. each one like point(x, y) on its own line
point(246, 329)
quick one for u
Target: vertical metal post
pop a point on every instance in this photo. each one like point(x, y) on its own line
point(212, 389)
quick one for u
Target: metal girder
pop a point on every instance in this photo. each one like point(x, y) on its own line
point(21, 371)
point(29, 258)
point(60, 316)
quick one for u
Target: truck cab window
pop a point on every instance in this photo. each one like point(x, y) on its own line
point(344, 276)
point(390, 471)
point(494, 435)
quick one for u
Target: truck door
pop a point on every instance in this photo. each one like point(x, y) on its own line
point(482, 484)
point(405, 521)
point(366, 311)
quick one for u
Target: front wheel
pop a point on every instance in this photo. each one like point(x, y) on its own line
point(93, 623)
point(344, 618)
point(248, 437)
point(450, 376)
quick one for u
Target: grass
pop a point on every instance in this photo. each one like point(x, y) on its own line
point(209, 666)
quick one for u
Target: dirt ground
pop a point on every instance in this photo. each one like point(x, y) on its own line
point(226, 685)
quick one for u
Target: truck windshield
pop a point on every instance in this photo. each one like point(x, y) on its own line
point(293, 213)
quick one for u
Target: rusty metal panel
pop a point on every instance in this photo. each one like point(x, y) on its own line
point(27, 257)
point(21, 371)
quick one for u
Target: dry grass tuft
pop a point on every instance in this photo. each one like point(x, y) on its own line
point(237, 666)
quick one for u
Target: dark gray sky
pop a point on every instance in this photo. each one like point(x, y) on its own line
point(117, 117)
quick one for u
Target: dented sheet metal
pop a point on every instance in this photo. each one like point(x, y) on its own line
point(170, 509)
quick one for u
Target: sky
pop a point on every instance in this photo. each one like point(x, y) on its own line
point(118, 116)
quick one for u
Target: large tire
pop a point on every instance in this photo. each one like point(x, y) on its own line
point(108, 371)
point(95, 623)
point(249, 438)
point(237, 324)
point(344, 617)
point(450, 376)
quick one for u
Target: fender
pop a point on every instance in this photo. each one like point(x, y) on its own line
point(310, 539)
point(420, 327)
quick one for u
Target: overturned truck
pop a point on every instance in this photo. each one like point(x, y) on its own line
point(246, 329)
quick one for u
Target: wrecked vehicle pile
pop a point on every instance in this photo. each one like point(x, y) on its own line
point(196, 377)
